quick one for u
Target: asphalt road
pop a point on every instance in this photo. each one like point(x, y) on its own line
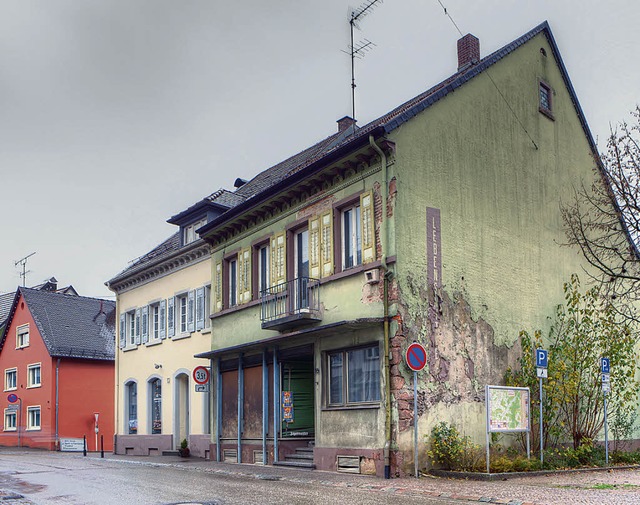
point(55, 478)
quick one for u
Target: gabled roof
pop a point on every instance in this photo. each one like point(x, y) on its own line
point(6, 299)
point(71, 326)
point(298, 166)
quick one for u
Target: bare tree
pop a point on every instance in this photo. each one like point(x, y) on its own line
point(604, 219)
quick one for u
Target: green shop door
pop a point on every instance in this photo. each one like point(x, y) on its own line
point(297, 398)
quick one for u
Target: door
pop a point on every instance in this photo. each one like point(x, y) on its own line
point(297, 384)
point(181, 409)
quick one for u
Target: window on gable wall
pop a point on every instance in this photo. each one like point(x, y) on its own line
point(33, 376)
point(22, 336)
point(546, 99)
point(10, 379)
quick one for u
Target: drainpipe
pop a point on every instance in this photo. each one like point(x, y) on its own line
point(57, 402)
point(386, 275)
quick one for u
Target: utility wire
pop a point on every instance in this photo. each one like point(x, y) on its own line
point(449, 16)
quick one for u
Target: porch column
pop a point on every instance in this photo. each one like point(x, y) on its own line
point(276, 403)
point(240, 406)
point(218, 411)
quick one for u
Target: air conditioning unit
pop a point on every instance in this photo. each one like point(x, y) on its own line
point(372, 276)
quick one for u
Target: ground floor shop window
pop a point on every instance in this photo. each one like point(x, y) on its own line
point(132, 407)
point(354, 376)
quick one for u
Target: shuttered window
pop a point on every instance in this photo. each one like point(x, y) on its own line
point(367, 225)
point(278, 259)
point(218, 287)
point(244, 275)
point(123, 331)
point(199, 308)
point(171, 316)
point(326, 243)
point(163, 317)
point(144, 323)
point(314, 247)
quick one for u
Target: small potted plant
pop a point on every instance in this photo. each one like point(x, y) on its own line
point(184, 449)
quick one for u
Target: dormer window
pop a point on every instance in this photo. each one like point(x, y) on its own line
point(189, 232)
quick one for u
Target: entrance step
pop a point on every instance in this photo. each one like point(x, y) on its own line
point(302, 458)
point(296, 464)
point(170, 453)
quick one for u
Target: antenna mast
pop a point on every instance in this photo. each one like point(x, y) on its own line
point(358, 50)
point(23, 262)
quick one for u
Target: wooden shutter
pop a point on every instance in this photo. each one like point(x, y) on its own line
point(326, 243)
point(123, 331)
point(191, 305)
point(163, 317)
point(367, 227)
point(278, 258)
point(171, 316)
point(217, 293)
point(199, 308)
point(244, 275)
point(137, 328)
point(145, 324)
point(314, 247)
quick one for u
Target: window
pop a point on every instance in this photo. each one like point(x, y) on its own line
point(10, 379)
point(33, 376)
point(351, 237)
point(33, 418)
point(354, 376)
point(155, 387)
point(22, 336)
point(183, 309)
point(155, 321)
point(546, 100)
point(189, 232)
point(207, 306)
point(263, 268)
point(301, 268)
point(10, 420)
point(131, 403)
point(233, 282)
point(131, 328)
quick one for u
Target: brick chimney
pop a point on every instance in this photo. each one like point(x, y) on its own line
point(468, 51)
point(345, 122)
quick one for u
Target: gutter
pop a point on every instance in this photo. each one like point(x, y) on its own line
point(57, 441)
point(387, 276)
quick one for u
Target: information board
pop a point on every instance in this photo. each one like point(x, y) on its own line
point(507, 409)
point(71, 444)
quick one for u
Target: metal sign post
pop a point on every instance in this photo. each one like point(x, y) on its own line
point(416, 358)
point(605, 368)
point(542, 361)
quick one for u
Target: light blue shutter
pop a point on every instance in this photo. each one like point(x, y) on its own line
point(123, 328)
point(191, 305)
point(171, 317)
point(137, 334)
point(163, 317)
point(145, 324)
point(199, 308)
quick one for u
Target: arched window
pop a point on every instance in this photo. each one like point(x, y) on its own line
point(131, 403)
point(155, 389)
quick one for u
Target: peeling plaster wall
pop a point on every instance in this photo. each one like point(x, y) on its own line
point(501, 233)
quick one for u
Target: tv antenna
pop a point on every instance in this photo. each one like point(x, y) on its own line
point(361, 48)
point(23, 262)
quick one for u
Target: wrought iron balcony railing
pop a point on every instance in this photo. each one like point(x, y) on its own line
point(291, 304)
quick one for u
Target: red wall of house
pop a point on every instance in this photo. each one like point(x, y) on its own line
point(87, 387)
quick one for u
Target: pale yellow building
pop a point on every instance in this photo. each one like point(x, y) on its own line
point(163, 306)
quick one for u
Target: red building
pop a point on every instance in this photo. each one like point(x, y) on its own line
point(57, 362)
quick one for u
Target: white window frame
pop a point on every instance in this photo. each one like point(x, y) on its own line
point(189, 232)
point(31, 410)
point(130, 324)
point(8, 371)
point(182, 307)
point(31, 368)
point(154, 321)
point(22, 336)
point(10, 414)
point(354, 240)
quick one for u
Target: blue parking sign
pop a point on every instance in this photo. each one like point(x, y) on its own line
point(542, 358)
point(605, 365)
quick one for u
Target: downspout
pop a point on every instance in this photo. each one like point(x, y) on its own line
point(385, 299)
point(57, 403)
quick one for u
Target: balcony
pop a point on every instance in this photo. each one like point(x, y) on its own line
point(291, 304)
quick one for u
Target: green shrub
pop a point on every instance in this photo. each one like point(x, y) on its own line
point(452, 451)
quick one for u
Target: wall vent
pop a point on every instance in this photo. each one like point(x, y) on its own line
point(348, 464)
point(230, 455)
point(258, 458)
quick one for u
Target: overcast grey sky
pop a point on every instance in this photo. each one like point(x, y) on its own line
point(117, 114)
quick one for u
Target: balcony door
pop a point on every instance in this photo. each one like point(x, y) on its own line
point(301, 270)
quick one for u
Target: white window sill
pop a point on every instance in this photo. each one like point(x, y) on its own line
point(34, 386)
point(206, 331)
point(153, 342)
point(181, 336)
point(10, 429)
point(129, 348)
point(34, 429)
point(11, 389)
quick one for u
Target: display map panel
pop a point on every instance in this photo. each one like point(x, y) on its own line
point(507, 409)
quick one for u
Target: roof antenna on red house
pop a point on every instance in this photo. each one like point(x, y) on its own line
point(358, 50)
point(23, 262)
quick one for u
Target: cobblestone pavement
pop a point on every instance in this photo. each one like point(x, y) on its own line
point(603, 487)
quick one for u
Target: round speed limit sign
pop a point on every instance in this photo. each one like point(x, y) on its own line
point(201, 375)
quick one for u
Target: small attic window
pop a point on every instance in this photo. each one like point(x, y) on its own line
point(545, 94)
point(189, 232)
point(543, 51)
